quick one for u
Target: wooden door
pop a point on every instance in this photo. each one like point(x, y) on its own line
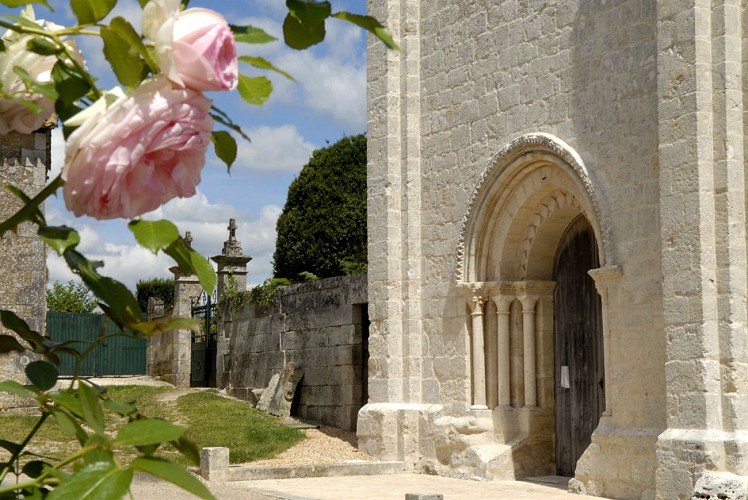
point(579, 373)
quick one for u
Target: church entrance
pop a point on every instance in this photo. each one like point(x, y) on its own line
point(578, 345)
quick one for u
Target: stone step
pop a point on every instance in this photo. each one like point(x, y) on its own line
point(352, 468)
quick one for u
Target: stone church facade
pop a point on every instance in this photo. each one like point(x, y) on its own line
point(557, 243)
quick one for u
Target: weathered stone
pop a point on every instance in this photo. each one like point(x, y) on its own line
point(721, 486)
point(497, 129)
point(283, 398)
point(24, 163)
point(214, 464)
point(269, 393)
point(318, 325)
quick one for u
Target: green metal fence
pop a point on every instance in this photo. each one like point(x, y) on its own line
point(117, 355)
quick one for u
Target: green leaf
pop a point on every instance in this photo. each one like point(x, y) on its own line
point(21, 3)
point(262, 63)
point(189, 449)
point(122, 307)
point(14, 387)
point(43, 46)
point(173, 473)
point(11, 321)
point(66, 399)
point(10, 446)
point(189, 261)
point(161, 325)
point(92, 413)
point(154, 235)
point(226, 121)
point(9, 343)
point(120, 408)
point(255, 90)
point(47, 89)
point(148, 431)
point(69, 426)
point(225, 146)
point(71, 85)
point(34, 468)
point(30, 210)
point(94, 481)
point(371, 25)
point(122, 47)
point(59, 238)
point(42, 374)
point(304, 25)
point(91, 11)
point(250, 34)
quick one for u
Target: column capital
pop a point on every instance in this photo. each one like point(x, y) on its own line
point(602, 276)
point(502, 302)
point(528, 302)
point(476, 304)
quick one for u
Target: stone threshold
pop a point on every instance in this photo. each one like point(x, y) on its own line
point(351, 468)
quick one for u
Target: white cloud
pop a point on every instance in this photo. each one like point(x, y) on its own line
point(330, 79)
point(127, 262)
point(274, 149)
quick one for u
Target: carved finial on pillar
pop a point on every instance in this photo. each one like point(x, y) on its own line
point(188, 238)
point(232, 247)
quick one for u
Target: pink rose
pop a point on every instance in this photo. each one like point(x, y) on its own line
point(13, 114)
point(195, 47)
point(142, 150)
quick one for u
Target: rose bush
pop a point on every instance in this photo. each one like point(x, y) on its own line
point(138, 153)
point(195, 47)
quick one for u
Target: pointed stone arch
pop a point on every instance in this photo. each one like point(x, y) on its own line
point(535, 179)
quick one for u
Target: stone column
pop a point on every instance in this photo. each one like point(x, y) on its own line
point(603, 276)
point(528, 341)
point(232, 263)
point(479, 356)
point(503, 302)
point(232, 274)
point(701, 82)
point(186, 288)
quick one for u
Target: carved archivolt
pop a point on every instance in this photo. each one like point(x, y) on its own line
point(548, 207)
point(509, 160)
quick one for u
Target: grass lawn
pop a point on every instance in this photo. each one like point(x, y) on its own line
point(211, 420)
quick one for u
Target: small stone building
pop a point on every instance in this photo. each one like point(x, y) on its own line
point(557, 243)
point(23, 266)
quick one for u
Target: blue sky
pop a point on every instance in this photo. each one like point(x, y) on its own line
point(326, 102)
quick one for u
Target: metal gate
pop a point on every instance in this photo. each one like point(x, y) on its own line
point(119, 354)
point(203, 361)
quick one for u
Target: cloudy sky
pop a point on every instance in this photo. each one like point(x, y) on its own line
point(326, 102)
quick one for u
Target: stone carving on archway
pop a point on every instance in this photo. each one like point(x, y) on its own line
point(548, 207)
point(555, 152)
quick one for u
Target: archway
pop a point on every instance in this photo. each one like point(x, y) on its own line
point(578, 345)
point(535, 198)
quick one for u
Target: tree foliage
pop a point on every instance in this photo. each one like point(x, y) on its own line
point(70, 297)
point(322, 228)
point(161, 288)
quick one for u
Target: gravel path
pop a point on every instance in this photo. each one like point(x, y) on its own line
point(324, 445)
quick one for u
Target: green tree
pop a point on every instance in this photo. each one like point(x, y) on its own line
point(70, 297)
point(162, 288)
point(322, 228)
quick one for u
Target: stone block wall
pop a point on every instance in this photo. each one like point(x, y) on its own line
point(23, 270)
point(472, 78)
point(321, 326)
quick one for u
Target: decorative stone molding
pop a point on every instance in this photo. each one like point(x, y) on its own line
point(559, 153)
point(548, 207)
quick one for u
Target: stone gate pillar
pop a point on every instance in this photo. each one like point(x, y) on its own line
point(232, 274)
point(186, 288)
